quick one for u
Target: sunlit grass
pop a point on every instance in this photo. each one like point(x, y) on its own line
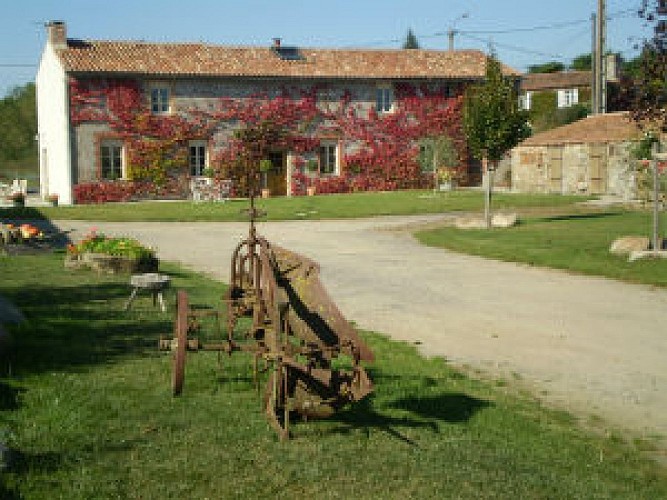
point(85, 406)
point(338, 206)
point(578, 243)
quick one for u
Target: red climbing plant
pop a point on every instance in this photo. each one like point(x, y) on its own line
point(381, 151)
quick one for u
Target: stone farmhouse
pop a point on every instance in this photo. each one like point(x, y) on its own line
point(103, 106)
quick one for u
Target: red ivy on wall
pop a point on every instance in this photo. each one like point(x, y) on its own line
point(384, 149)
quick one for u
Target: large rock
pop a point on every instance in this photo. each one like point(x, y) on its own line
point(627, 244)
point(476, 222)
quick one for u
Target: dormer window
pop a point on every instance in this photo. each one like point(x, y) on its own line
point(384, 99)
point(159, 100)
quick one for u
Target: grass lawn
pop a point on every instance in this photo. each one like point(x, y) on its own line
point(85, 406)
point(343, 206)
point(578, 242)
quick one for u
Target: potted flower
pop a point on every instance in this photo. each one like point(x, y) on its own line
point(264, 167)
point(52, 199)
point(208, 174)
point(312, 166)
point(17, 198)
point(445, 178)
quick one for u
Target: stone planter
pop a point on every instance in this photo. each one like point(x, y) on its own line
point(112, 264)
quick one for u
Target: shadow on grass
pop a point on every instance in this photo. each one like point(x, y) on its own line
point(574, 217)
point(66, 328)
point(20, 462)
point(428, 412)
point(9, 396)
point(362, 415)
point(449, 407)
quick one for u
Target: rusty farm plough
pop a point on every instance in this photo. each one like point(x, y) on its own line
point(295, 333)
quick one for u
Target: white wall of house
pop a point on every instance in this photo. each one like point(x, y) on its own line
point(53, 127)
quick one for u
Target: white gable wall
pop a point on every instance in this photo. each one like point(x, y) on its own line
point(53, 127)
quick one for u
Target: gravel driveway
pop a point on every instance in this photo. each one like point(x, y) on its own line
point(593, 346)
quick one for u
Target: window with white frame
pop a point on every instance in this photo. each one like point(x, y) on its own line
point(111, 159)
point(197, 158)
point(525, 100)
point(159, 100)
point(568, 97)
point(328, 158)
point(384, 99)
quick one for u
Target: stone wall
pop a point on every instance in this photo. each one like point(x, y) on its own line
point(574, 169)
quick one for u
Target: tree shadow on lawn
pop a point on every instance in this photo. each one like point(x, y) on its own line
point(574, 217)
point(9, 396)
point(65, 329)
point(20, 463)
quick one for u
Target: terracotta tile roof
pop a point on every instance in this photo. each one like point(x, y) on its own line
point(610, 127)
point(554, 81)
point(191, 59)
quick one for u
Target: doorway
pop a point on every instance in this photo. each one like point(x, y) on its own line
point(276, 177)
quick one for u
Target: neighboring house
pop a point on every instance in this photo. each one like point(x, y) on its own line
point(590, 156)
point(88, 93)
point(558, 90)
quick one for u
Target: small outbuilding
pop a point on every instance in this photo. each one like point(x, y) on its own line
point(590, 156)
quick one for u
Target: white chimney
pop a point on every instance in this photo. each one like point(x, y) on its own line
point(57, 34)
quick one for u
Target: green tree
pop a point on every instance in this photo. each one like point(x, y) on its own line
point(631, 68)
point(492, 121)
point(549, 67)
point(411, 41)
point(584, 62)
point(18, 124)
point(646, 93)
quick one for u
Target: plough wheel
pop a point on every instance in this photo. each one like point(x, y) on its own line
point(181, 334)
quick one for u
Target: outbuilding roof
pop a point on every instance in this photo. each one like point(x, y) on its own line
point(536, 82)
point(610, 127)
point(196, 59)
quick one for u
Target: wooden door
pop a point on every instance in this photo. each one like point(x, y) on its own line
point(555, 169)
point(276, 178)
point(597, 168)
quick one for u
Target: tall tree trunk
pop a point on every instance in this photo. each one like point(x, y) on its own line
point(488, 188)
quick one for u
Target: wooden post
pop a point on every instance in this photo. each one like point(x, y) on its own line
point(656, 213)
point(657, 157)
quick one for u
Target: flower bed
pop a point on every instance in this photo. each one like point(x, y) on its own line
point(113, 255)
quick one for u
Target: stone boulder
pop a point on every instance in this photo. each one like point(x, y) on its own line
point(625, 245)
point(476, 222)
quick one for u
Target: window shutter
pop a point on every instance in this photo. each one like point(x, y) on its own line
point(561, 99)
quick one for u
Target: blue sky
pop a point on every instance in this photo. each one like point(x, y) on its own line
point(523, 32)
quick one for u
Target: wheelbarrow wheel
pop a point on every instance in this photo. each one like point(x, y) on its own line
point(181, 334)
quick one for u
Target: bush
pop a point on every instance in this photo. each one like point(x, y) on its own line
point(123, 191)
